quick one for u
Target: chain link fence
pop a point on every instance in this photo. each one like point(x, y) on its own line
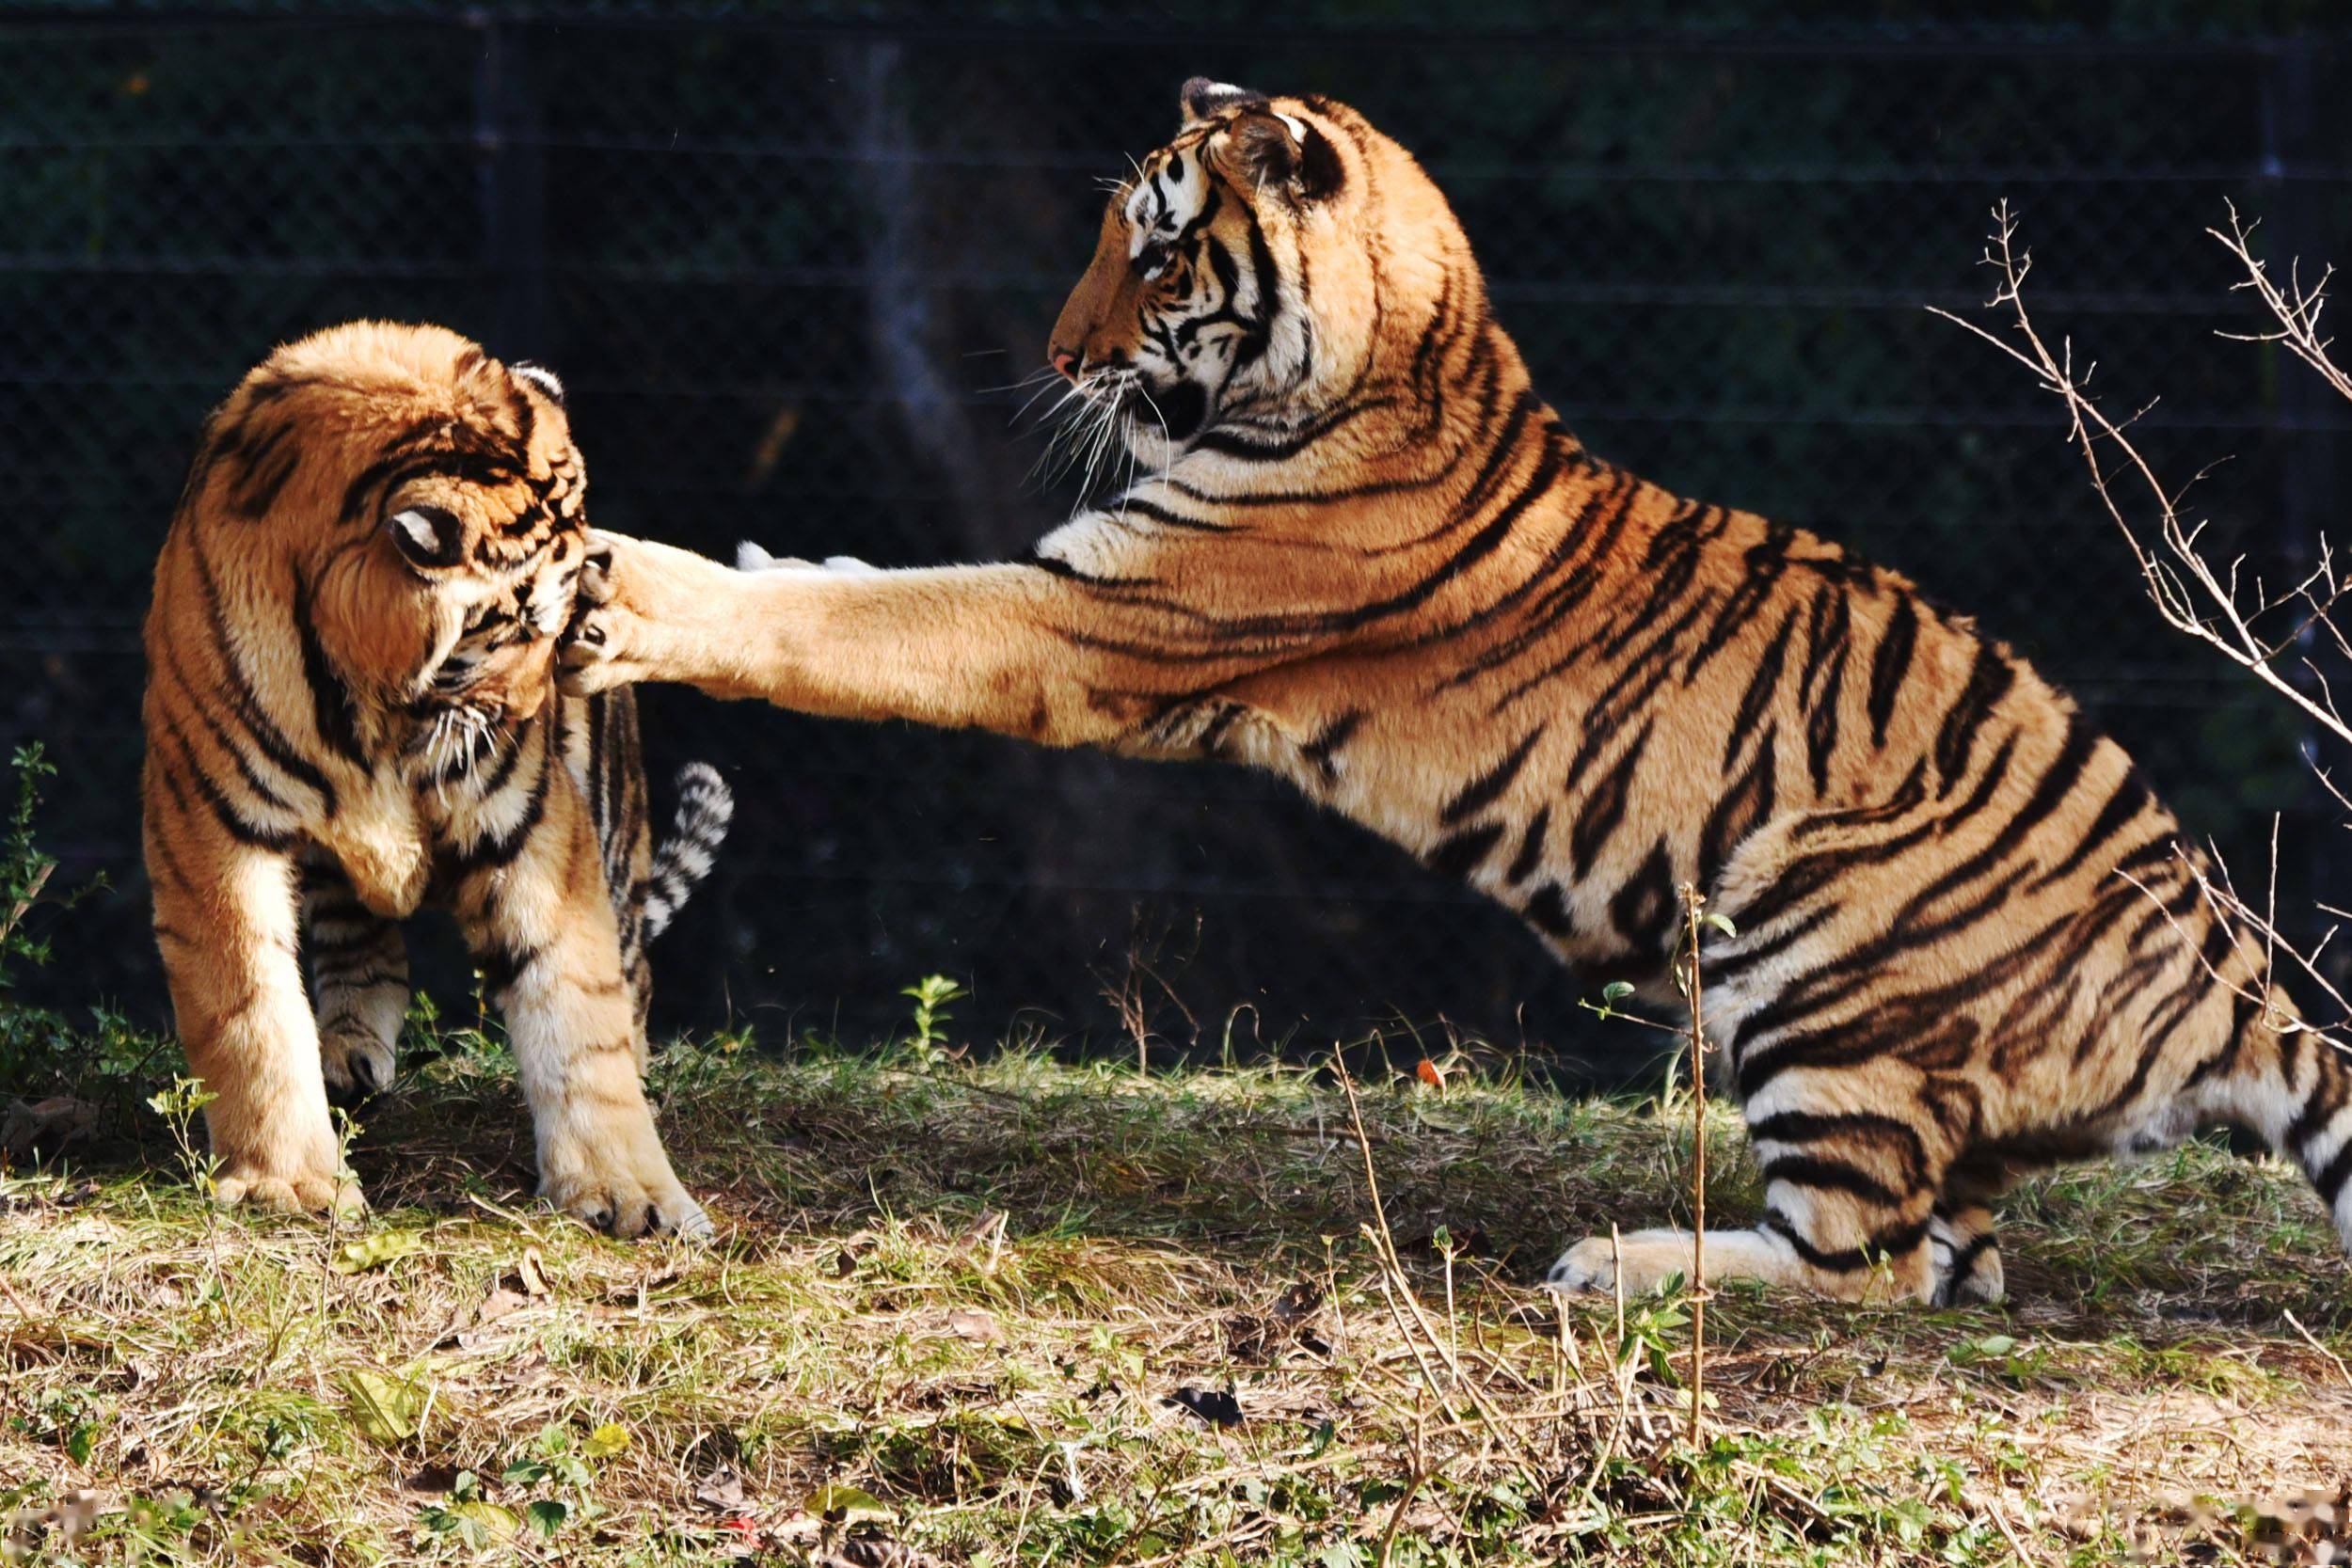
point(790, 263)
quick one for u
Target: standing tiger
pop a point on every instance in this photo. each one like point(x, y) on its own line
point(351, 710)
point(1969, 942)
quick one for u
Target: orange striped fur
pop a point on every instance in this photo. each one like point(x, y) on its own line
point(1969, 942)
point(351, 711)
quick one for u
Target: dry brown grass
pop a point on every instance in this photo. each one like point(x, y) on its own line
point(1005, 1313)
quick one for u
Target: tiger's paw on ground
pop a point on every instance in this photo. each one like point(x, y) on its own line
point(287, 1193)
point(610, 1196)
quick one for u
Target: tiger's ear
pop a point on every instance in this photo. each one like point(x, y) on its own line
point(1270, 149)
point(1200, 99)
point(428, 537)
point(539, 377)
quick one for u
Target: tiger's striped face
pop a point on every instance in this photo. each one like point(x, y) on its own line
point(497, 551)
point(431, 506)
point(1194, 313)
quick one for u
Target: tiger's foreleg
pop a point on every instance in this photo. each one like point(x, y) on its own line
point(224, 920)
point(1008, 648)
point(358, 979)
point(533, 900)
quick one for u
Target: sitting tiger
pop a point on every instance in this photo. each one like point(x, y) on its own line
point(1967, 941)
point(351, 708)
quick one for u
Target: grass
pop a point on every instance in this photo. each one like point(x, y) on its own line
point(1017, 1310)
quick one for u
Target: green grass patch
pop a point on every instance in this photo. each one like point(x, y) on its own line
point(1017, 1310)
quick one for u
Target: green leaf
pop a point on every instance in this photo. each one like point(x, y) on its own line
point(385, 1409)
point(488, 1522)
point(546, 1517)
point(1721, 922)
point(847, 1504)
point(373, 1252)
point(1993, 1347)
point(606, 1441)
point(1616, 991)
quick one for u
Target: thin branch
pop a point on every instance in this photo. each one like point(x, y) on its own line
point(2211, 604)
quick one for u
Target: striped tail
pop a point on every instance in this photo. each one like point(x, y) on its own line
point(705, 807)
point(2293, 1086)
point(2319, 1137)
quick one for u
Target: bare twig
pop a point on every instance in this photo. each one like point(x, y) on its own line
point(1693, 902)
point(2265, 632)
point(2295, 307)
point(2207, 601)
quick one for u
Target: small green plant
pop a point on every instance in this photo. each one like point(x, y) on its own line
point(933, 995)
point(469, 1518)
point(551, 1480)
point(178, 1105)
point(35, 1042)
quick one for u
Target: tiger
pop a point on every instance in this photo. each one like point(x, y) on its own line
point(352, 712)
point(1962, 941)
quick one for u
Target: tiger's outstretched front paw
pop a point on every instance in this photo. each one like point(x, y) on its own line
point(653, 612)
point(598, 648)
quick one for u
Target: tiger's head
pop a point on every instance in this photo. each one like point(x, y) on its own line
point(1262, 267)
point(425, 509)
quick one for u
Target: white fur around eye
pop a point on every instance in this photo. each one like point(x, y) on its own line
point(421, 530)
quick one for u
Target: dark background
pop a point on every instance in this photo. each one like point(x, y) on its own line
point(789, 259)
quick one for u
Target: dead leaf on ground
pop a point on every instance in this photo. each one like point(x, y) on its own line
point(466, 1326)
point(980, 1327)
point(386, 1409)
point(633, 1295)
point(43, 1126)
point(529, 1276)
point(988, 1232)
point(853, 1251)
point(723, 1493)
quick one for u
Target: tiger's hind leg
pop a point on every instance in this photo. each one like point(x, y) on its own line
point(1847, 1201)
point(358, 982)
point(1966, 1254)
